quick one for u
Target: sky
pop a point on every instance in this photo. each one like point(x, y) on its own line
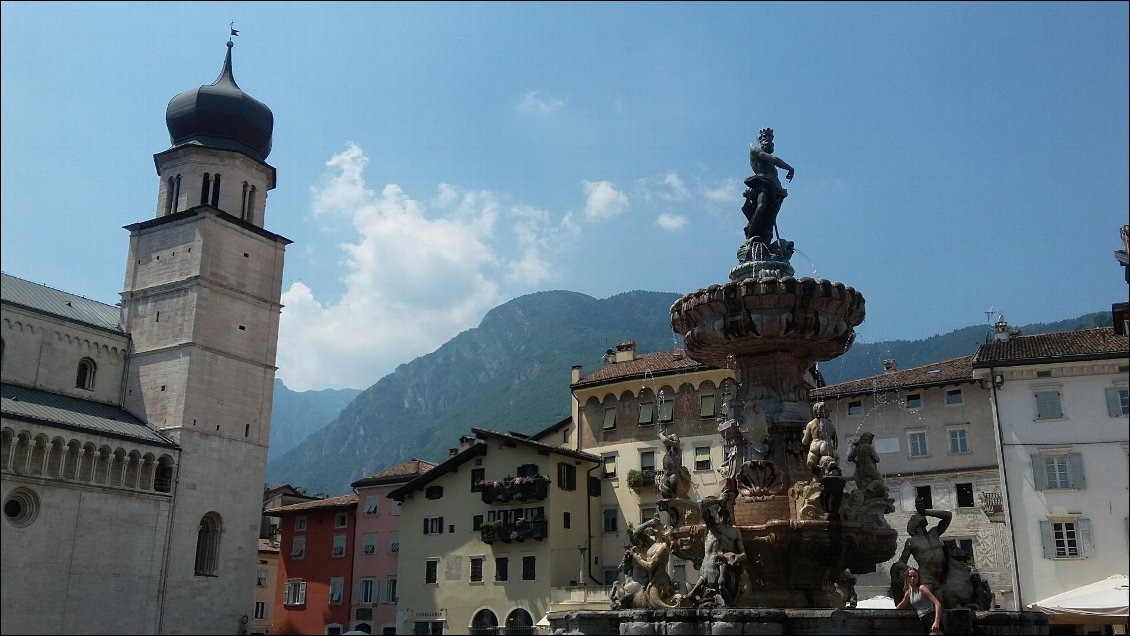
point(954, 161)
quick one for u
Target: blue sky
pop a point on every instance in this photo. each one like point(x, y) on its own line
point(438, 159)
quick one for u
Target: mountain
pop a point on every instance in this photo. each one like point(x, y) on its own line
point(512, 373)
point(296, 414)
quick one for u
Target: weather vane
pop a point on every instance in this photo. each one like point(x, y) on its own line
point(231, 25)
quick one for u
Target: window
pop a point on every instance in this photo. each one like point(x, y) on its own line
point(913, 400)
point(300, 524)
point(925, 495)
point(433, 492)
point(566, 520)
point(372, 506)
point(433, 525)
point(394, 541)
point(1058, 471)
point(390, 596)
point(959, 440)
point(477, 475)
point(647, 460)
point(610, 419)
point(261, 578)
point(960, 549)
point(566, 436)
point(647, 413)
point(855, 408)
point(341, 519)
point(477, 569)
point(964, 495)
point(431, 571)
point(369, 543)
point(529, 568)
point(647, 512)
point(610, 575)
point(365, 590)
point(609, 467)
point(706, 405)
point(610, 520)
point(260, 610)
point(339, 546)
point(1048, 406)
point(666, 410)
point(337, 587)
point(528, 470)
point(476, 523)
point(395, 508)
point(501, 569)
point(1067, 538)
point(208, 545)
point(566, 476)
point(702, 458)
point(298, 550)
point(917, 443)
point(295, 592)
point(85, 377)
point(1117, 401)
point(953, 397)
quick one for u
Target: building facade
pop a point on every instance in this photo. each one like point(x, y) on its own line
point(486, 535)
point(933, 429)
point(1060, 407)
point(136, 436)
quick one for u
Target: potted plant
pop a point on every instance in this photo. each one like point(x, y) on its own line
point(490, 531)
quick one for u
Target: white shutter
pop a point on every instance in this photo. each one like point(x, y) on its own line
point(1086, 538)
point(1039, 472)
point(1075, 471)
point(1113, 403)
point(1047, 540)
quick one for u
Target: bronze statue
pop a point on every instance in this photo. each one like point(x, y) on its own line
point(765, 193)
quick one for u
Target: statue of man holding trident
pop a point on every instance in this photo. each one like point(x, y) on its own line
point(765, 193)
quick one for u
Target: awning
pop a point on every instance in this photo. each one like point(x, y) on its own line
point(1099, 603)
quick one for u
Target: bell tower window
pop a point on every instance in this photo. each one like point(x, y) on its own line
point(85, 377)
point(216, 191)
point(204, 184)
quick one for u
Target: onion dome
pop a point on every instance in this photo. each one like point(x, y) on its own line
point(221, 116)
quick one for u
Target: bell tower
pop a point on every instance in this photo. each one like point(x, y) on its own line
point(201, 302)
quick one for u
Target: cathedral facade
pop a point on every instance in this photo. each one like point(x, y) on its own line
point(134, 436)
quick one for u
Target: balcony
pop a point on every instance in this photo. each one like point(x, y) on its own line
point(536, 489)
point(993, 505)
point(492, 531)
point(640, 479)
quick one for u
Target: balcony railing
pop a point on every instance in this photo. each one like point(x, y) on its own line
point(506, 493)
point(993, 505)
point(638, 479)
point(508, 532)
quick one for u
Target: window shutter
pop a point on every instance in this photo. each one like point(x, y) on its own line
point(1039, 473)
point(665, 408)
point(1046, 539)
point(706, 406)
point(1113, 404)
point(1047, 405)
point(646, 410)
point(441, 525)
point(426, 525)
point(1075, 471)
point(1086, 539)
point(302, 592)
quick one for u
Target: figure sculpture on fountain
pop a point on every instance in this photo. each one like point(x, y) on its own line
point(821, 441)
point(720, 577)
point(765, 193)
point(675, 483)
point(946, 573)
point(643, 582)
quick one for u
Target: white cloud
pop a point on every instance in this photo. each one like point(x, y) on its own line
point(603, 200)
point(668, 186)
point(415, 276)
point(725, 191)
point(539, 103)
point(670, 221)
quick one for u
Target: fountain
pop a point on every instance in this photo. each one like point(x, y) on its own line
point(778, 545)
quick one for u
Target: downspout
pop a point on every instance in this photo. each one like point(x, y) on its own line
point(588, 511)
point(162, 593)
point(575, 408)
point(1004, 493)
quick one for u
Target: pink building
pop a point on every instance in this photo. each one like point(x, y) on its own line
point(377, 542)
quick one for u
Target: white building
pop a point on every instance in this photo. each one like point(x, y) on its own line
point(135, 436)
point(1060, 409)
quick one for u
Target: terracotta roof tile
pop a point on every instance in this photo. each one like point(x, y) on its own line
point(1088, 344)
point(658, 363)
point(405, 472)
point(266, 545)
point(945, 372)
point(344, 501)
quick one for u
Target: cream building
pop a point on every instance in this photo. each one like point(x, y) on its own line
point(135, 436)
point(933, 428)
point(1060, 409)
point(486, 534)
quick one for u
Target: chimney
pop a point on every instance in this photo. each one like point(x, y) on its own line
point(452, 452)
point(465, 442)
point(1001, 332)
point(626, 351)
point(889, 366)
point(575, 375)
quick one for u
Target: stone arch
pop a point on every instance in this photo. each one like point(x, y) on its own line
point(484, 622)
point(208, 536)
point(519, 621)
point(56, 455)
point(22, 452)
point(133, 470)
point(163, 474)
point(87, 462)
point(116, 474)
point(39, 446)
point(7, 437)
point(71, 462)
point(102, 462)
point(146, 471)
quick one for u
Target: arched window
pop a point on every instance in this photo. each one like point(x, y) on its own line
point(176, 194)
point(169, 187)
point(208, 545)
point(216, 191)
point(243, 203)
point(520, 622)
point(85, 377)
point(163, 476)
point(485, 623)
point(204, 183)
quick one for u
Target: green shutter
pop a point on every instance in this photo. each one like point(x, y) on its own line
point(1047, 540)
point(665, 408)
point(647, 412)
point(1048, 405)
point(1075, 471)
point(1113, 404)
point(1086, 538)
point(1039, 472)
point(706, 406)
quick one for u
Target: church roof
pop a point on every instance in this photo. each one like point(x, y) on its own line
point(33, 405)
point(57, 303)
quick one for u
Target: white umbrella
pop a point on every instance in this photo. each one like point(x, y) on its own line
point(876, 602)
point(1100, 602)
